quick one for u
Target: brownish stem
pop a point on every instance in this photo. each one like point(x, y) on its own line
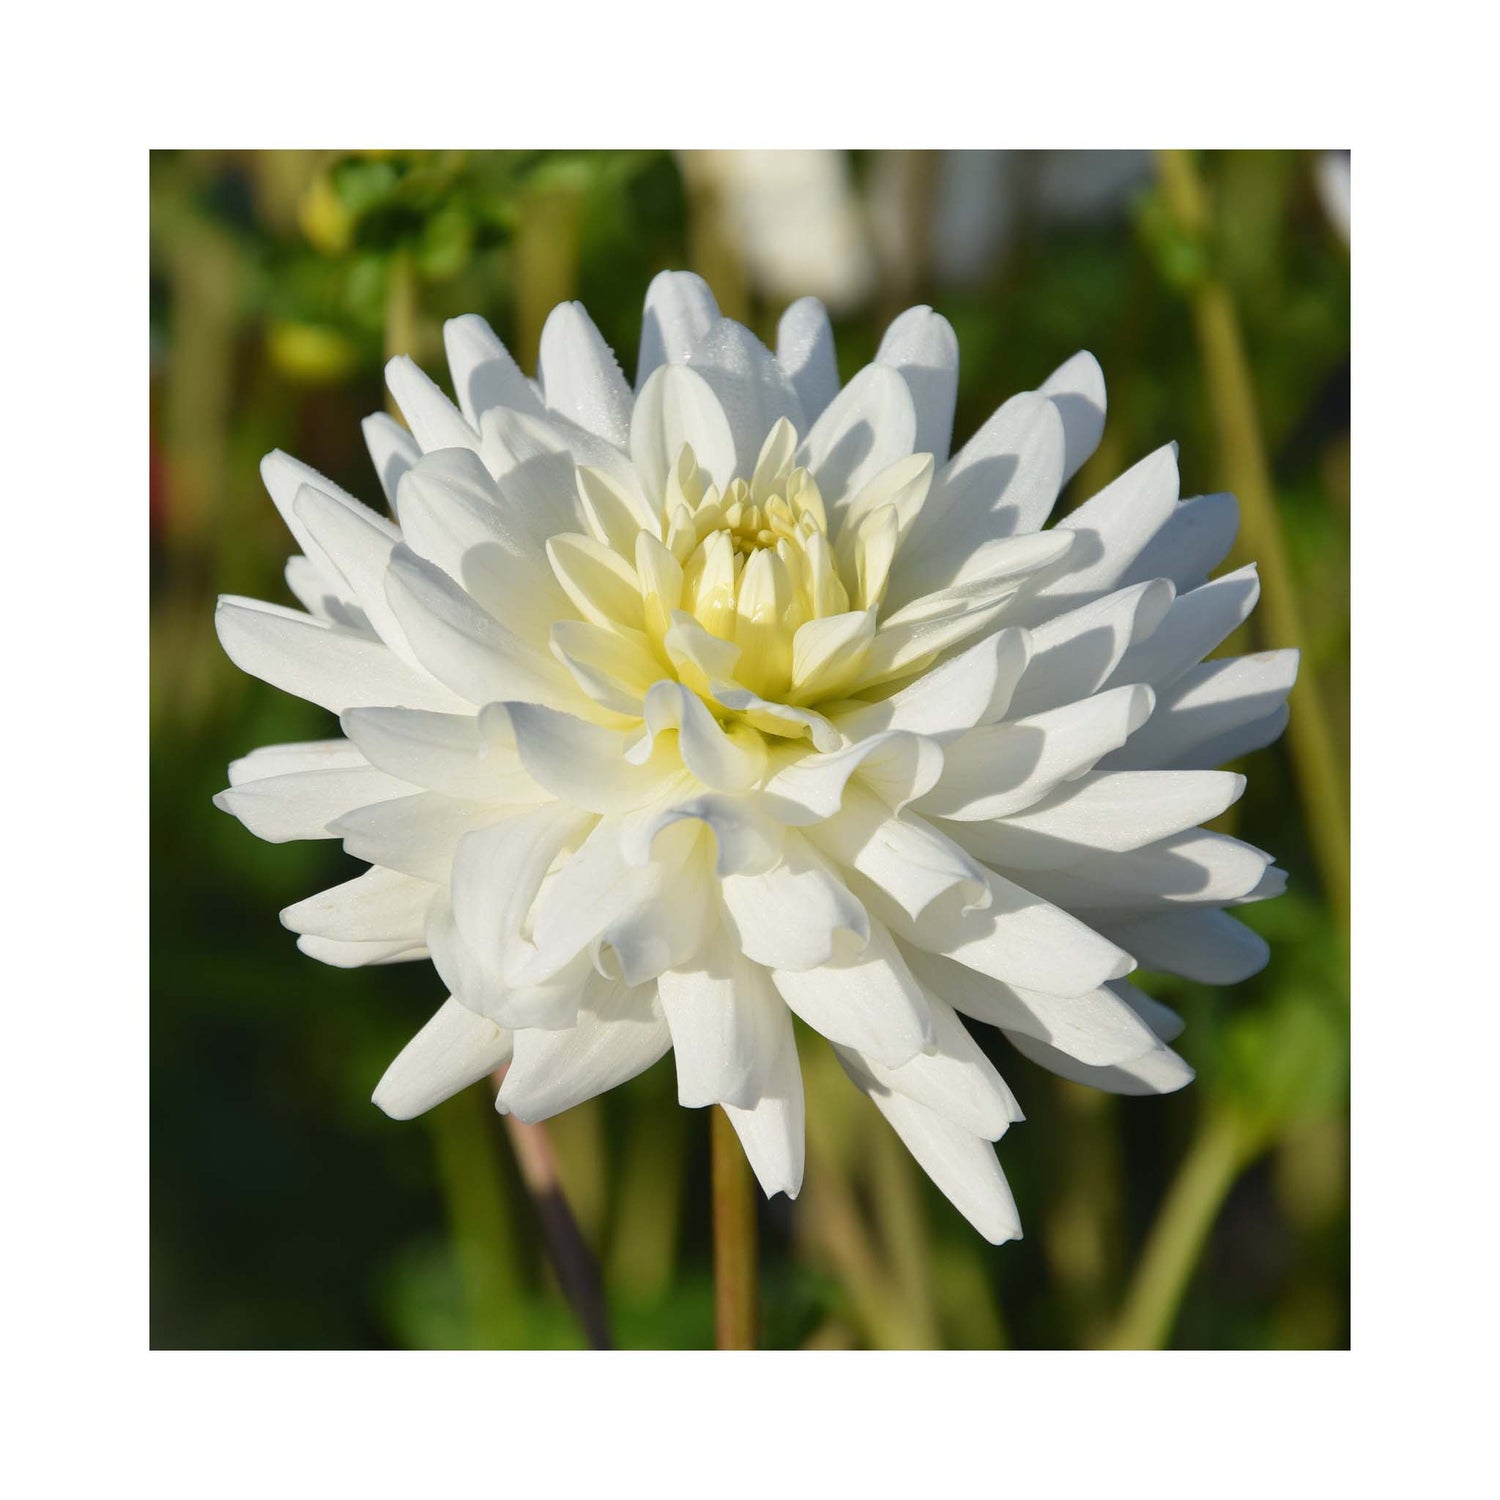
point(734, 1238)
point(576, 1267)
point(1231, 390)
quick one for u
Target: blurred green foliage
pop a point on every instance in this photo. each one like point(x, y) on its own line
point(286, 1210)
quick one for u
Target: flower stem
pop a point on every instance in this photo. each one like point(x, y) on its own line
point(734, 1238)
point(400, 312)
point(547, 247)
point(575, 1264)
point(1225, 1145)
point(1246, 469)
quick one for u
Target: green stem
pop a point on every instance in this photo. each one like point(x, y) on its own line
point(1224, 1146)
point(898, 1212)
point(1243, 458)
point(400, 311)
point(734, 1238)
point(547, 247)
point(1081, 1233)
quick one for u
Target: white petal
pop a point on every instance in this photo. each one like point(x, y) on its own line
point(827, 653)
point(728, 1025)
point(1160, 1071)
point(454, 1049)
point(1162, 1020)
point(771, 1130)
point(580, 377)
point(1077, 390)
point(615, 512)
point(953, 1078)
point(601, 584)
point(1110, 810)
point(910, 861)
point(378, 906)
point(415, 834)
point(747, 840)
point(898, 766)
point(867, 427)
point(341, 955)
point(1238, 741)
point(989, 574)
point(1216, 699)
point(1098, 1027)
point(1113, 530)
point(654, 917)
point(774, 718)
point(680, 309)
point(358, 544)
point(973, 687)
point(323, 663)
point(325, 595)
point(303, 755)
point(996, 770)
point(804, 349)
point(515, 443)
point(1074, 654)
point(869, 1002)
point(475, 978)
point(729, 763)
point(464, 646)
point(752, 388)
point(795, 915)
point(615, 668)
point(583, 764)
point(1194, 868)
point(676, 406)
point(963, 1165)
point(1194, 539)
point(393, 450)
point(1207, 946)
point(434, 420)
point(484, 374)
point(496, 875)
point(443, 752)
point(284, 478)
point(620, 1033)
point(302, 805)
point(921, 345)
point(1002, 483)
point(1017, 938)
point(904, 487)
point(456, 516)
point(1198, 621)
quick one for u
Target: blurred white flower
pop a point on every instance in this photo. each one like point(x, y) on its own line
point(795, 220)
point(980, 199)
point(669, 714)
point(1332, 175)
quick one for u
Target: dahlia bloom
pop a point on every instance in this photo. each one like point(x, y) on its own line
point(670, 714)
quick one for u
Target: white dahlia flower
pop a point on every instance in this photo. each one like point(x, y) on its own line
point(671, 714)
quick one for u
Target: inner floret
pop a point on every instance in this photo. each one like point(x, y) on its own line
point(741, 588)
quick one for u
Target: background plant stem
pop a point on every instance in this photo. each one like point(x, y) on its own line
point(577, 1269)
point(401, 333)
point(1226, 1143)
point(1247, 472)
point(734, 1238)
